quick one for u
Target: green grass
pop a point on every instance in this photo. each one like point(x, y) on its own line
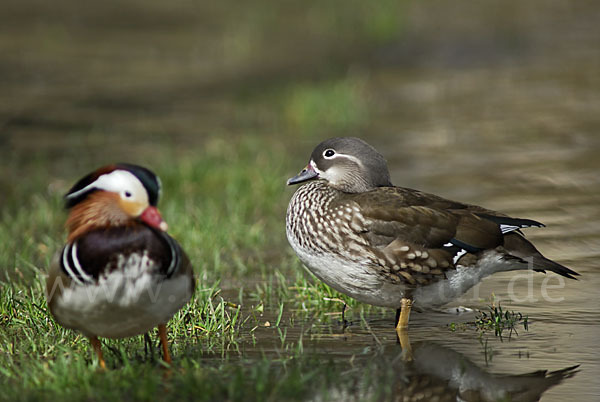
point(327, 108)
point(260, 326)
point(500, 320)
point(495, 319)
point(227, 208)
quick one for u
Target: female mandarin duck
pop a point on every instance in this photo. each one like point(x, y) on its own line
point(120, 274)
point(389, 246)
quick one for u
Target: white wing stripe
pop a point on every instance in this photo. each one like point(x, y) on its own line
point(82, 273)
point(510, 228)
point(67, 267)
point(174, 257)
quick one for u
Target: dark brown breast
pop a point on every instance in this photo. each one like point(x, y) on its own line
point(101, 250)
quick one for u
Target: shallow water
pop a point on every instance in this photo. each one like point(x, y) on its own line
point(520, 137)
point(496, 105)
point(516, 130)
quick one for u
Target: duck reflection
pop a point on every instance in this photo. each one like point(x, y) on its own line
point(431, 372)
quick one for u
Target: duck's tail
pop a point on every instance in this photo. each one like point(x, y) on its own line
point(518, 246)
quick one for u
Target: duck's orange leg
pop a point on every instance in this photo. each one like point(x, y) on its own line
point(406, 304)
point(162, 334)
point(402, 329)
point(98, 349)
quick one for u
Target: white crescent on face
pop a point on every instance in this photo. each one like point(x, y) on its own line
point(122, 182)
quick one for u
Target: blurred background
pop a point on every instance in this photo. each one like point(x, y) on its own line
point(494, 103)
point(431, 83)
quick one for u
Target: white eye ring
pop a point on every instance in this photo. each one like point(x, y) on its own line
point(127, 194)
point(328, 153)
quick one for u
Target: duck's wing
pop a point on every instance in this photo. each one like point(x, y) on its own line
point(422, 232)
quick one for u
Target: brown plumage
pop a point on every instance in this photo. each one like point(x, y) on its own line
point(100, 209)
point(383, 244)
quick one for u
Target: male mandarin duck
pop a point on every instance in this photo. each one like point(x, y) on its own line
point(389, 246)
point(120, 274)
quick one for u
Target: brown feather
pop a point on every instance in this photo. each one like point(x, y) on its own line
point(99, 209)
point(426, 219)
point(392, 216)
point(477, 232)
point(518, 246)
point(404, 224)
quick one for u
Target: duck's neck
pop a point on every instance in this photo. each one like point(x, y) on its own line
point(98, 210)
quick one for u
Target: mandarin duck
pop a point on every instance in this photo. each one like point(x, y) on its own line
point(391, 246)
point(120, 274)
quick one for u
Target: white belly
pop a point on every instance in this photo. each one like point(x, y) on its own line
point(362, 282)
point(123, 303)
point(356, 279)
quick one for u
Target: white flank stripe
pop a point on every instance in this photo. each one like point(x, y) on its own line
point(67, 266)
point(83, 274)
point(173, 264)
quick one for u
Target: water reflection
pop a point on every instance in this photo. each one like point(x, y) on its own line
point(440, 373)
point(433, 372)
point(493, 103)
point(430, 363)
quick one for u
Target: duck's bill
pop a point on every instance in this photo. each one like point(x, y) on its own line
point(308, 173)
point(152, 217)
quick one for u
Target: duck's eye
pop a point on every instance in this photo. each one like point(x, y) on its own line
point(328, 153)
point(127, 194)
